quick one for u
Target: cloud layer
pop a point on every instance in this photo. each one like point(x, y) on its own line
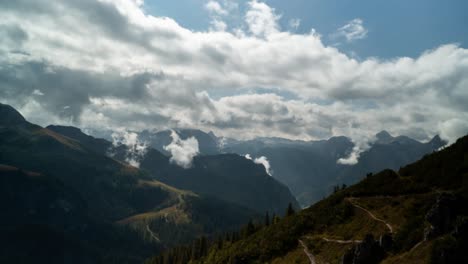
point(262, 161)
point(135, 149)
point(109, 64)
point(182, 151)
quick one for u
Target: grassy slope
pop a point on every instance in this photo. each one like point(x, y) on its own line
point(402, 199)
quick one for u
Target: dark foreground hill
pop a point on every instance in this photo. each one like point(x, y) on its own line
point(63, 198)
point(44, 221)
point(417, 214)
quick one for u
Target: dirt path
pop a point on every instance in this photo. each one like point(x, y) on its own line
point(417, 245)
point(341, 241)
point(152, 234)
point(390, 228)
point(307, 252)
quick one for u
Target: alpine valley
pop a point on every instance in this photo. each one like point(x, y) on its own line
point(80, 199)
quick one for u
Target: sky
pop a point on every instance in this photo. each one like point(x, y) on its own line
point(422, 24)
point(298, 69)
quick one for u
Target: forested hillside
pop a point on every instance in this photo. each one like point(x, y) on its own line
point(414, 215)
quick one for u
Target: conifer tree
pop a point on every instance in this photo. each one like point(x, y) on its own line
point(290, 210)
point(267, 219)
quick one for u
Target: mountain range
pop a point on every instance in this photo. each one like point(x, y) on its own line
point(309, 168)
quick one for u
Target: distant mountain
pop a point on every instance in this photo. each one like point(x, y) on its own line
point(228, 177)
point(310, 168)
point(415, 215)
point(388, 153)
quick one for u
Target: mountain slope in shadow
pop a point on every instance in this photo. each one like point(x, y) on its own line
point(228, 177)
point(63, 188)
point(417, 214)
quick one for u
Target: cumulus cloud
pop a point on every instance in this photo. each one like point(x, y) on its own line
point(182, 151)
point(362, 141)
point(219, 12)
point(218, 25)
point(262, 161)
point(353, 30)
point(215, 7)
point(261, 19)
point(453, 129)
point(134, 148)
point(353, 157)
point(294, 23)
point(37, 92)
point(148, 72)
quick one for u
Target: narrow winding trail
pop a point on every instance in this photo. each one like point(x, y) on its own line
point(390, 228)
point(341, 241)
point(307, 252)
point(416, 246)
point(152, 234)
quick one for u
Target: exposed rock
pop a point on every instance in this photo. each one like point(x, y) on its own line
point(366, 252)
point(441, 216)
point(461, 229)
point(386, 242)
point(348, 256)
point(452, 249)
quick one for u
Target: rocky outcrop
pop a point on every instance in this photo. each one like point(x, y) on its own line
point(386, 242)
point(452, 249)
point(441, 216)
point(368, 251)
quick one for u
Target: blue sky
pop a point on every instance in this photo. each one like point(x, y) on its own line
point(396, 28)
point(240, 68)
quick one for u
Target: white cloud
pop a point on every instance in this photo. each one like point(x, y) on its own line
point(262, 161)
point(218, 25)
point(219, 12)
point(146, 72)
point(353, 30)
point(182, 151)
point(135, 149)
point(353, 157)
point(37, 92)
point(294, 23)
point(215, 8)
point(453, 129)
point(261, 19)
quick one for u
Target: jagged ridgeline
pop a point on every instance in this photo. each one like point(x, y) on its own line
point(417, 214)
